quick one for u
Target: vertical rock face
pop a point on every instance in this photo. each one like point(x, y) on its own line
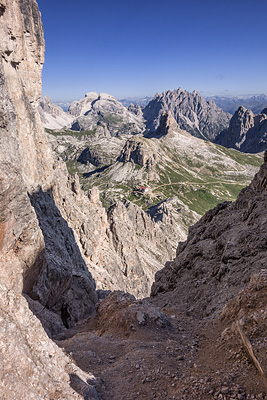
point(137, 151)
point(247, 132)
point(167, 124)
point(27, 168)
point(32, 366)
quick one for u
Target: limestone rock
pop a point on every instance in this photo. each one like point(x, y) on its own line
point(191, 112)
point(120, 314)
point(92, 156)
point(78, 108)
point(104, 109)
point(247, 132)
point(53, 116)
point(167, 124)
point(135, 109)
point(32, 366)
point(137, 150)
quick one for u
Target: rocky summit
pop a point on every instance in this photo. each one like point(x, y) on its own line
point(192, 113)
point(200, 335)
point(247, 132)
point(105, 111)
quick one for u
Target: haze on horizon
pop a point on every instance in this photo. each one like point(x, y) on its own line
point(139, 48)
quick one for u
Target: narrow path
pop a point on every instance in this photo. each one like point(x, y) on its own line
point(195, 183)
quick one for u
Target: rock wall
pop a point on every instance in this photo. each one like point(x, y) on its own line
point(32, 365)
point(51, 233)
point(247, 132)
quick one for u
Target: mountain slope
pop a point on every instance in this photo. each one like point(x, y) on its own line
point(183, 177)
point(172, 163)
point(184, 342)
point(53, 116)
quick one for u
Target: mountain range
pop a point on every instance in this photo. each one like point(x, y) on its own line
point(191, 112)
point(255, 103)
point(70, 328)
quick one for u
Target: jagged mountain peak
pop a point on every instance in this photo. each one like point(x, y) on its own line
point(246, 132)
point(106, 96)
point(52, 115)
point(191, 112)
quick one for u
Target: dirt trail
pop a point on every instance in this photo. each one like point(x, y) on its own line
point(183, 361)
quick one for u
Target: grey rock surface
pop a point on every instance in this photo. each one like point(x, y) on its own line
point(137, 151)
point(135, 109)
point(192, 113)
point(247, 132)
point(32, 366)
point(105, 110)
point(52, 115)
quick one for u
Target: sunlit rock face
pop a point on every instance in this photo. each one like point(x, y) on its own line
point(32, 365)
point(191, 112)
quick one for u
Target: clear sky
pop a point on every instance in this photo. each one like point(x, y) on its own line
point(137, 48)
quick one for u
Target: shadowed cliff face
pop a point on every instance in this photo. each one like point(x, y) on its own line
point(59, 274)
point(247, 132)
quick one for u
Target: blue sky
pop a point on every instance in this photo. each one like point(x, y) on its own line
point(137, 48)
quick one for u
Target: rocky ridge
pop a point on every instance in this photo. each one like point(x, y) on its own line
point(169, 162)
point(247, 132)
point(52, 115)
point(192, 113)
point(152, 348)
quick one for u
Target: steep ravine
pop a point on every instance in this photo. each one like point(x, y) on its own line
point(183, 342)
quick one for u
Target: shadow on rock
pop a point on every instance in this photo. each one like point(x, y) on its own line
point(59, 275)
point(87, 391)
